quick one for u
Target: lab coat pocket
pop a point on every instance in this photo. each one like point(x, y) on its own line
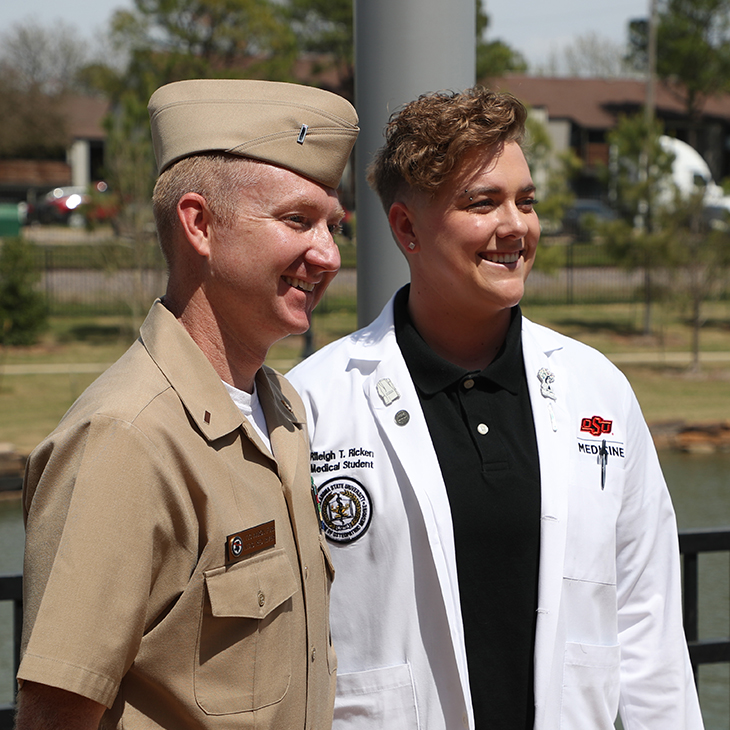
point(376, 699)
point(590, 687)
point(245, 624)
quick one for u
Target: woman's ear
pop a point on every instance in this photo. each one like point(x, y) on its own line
point(195, 219)
point(400, 218)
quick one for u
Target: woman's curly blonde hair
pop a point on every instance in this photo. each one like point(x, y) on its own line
point(427, 138)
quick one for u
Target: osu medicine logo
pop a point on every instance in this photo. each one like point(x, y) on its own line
point(595, 425)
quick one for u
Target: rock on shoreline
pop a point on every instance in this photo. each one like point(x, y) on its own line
point(692, 438)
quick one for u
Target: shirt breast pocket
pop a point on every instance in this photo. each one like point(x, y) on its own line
point(245, 625)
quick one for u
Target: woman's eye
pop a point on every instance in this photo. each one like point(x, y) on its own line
point(484, 203)
point(529, 203)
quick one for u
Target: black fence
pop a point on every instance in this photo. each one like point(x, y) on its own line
point(11, 589)
point(692, 543)
point(110, 278)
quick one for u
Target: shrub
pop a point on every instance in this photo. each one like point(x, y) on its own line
point(23, 314)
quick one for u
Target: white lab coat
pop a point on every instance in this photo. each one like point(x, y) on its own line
point(609, 631)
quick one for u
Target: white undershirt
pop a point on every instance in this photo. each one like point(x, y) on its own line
point(249, 405)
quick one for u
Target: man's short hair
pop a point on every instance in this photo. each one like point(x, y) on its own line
point(428, 137)
point(216, 176)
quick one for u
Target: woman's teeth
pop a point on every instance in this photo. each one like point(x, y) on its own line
point(502, 258)
point(299, 284)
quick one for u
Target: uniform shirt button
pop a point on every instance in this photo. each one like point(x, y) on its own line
point(468, 383)
point(306, 572)
point(483, 429)
point(262, 598)
point(314, 653)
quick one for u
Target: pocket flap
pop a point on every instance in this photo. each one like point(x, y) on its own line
point(327, 557)
point(251, 588)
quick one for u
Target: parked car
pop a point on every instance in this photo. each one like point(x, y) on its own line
point(581, 217)
point(73, 206)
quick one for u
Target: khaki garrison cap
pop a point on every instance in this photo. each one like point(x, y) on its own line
point(307, 130)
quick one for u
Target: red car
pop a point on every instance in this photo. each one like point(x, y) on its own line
point(73, 206)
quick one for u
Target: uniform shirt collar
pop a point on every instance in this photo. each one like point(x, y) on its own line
point(431, 373)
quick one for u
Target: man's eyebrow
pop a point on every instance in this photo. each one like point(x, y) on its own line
point(312, 204)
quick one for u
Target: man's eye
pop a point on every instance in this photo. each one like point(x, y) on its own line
point(335, 228)
point(529, 203)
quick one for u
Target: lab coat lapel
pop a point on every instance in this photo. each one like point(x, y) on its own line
point(548, 384)
point(405, 434)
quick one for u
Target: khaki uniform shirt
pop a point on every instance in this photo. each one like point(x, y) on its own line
point(174, 571)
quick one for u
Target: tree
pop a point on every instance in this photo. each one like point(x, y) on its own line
point(639, 172)
point(44, 58)
point(494, 58)
point(701, 252)
point(38, 68)
point(325, 27)
point(588, 55)
point(22, 308)
point(552, 175)
point(693, 52)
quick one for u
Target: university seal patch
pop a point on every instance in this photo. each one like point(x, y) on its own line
point(346, 509)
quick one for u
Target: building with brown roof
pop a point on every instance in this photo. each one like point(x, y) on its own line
point(579, 112)
point(22, 179)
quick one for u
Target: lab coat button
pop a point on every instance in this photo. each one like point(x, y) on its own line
point(402, 417)
point(483, 429)
point(468, 383)
point(465, 720)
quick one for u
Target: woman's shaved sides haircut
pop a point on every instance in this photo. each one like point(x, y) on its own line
point(426, 139)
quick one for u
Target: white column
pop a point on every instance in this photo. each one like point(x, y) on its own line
point(79, 158)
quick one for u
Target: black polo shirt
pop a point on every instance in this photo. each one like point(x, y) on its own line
point(483, 433)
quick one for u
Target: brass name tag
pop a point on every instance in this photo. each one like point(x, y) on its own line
point(250, 541)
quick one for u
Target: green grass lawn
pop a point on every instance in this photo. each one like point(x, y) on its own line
point(31, 405)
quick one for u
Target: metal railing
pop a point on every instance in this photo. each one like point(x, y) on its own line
point(11, 589)
point(691, 544)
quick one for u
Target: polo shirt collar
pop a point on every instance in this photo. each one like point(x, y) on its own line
point(431, 373)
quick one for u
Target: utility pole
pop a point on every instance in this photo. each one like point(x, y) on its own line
point(643, 222)
point(403, 48)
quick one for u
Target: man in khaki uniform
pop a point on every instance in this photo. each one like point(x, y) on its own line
point(175, 574)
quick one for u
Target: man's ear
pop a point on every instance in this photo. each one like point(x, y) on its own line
point(400, 218)
point(195, 219)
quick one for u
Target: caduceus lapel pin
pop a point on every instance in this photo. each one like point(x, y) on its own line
point(547, 379)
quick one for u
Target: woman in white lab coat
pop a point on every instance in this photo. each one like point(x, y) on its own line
point(608, 634)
